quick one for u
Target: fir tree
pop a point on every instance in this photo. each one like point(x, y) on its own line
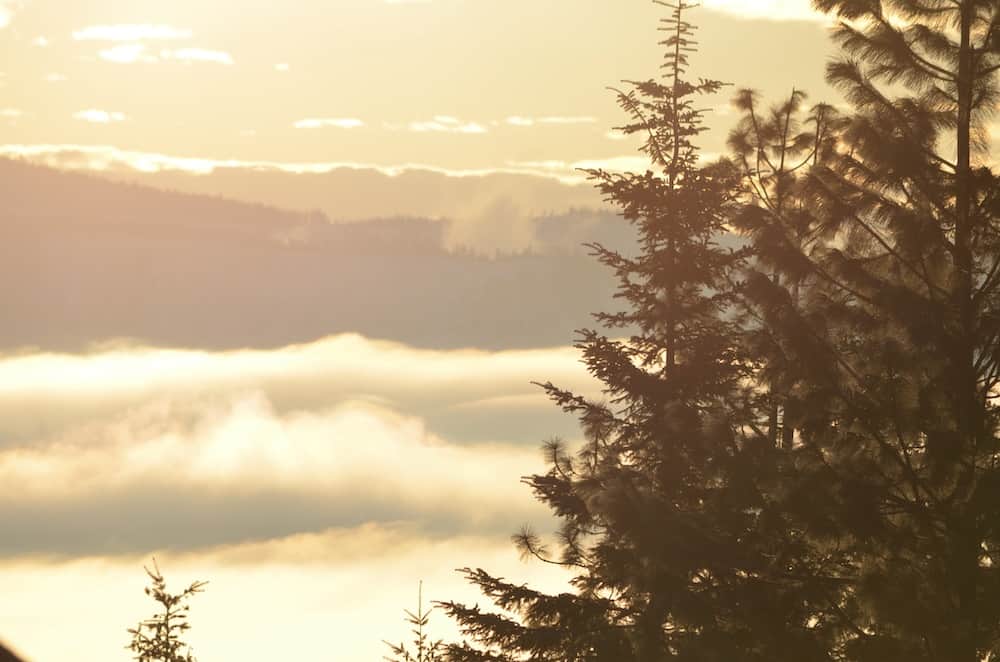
point(423, 649)
point(159, 639)
point(662, 518)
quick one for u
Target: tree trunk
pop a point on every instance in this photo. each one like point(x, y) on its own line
point(967, 416)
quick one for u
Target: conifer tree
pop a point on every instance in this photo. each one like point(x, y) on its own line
point(423, 648)
point(664, 522)
point(773, 149)
point(159, 638)
point(892, 344)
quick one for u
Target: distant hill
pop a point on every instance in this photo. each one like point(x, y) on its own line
point(354, 193)
point(84, 259)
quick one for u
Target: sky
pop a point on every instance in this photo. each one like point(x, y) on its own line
point(453, 84)
point(313, 483)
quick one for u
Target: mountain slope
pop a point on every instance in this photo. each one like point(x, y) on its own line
point(85, 260)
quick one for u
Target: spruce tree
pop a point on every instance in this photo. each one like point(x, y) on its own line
point(886, 313)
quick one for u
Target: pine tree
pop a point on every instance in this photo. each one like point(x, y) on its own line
point(886, 313)
point(773, 149)
point(664, 520)
point(159, 639)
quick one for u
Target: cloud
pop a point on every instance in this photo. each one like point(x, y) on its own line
point(290, 473)
point(338, 368)
point(447, 124)
point(183, 474)
point(176, 449)
point(131, 53)
point(131, 32)
point(11, 113)
point(197, 55)
point(7, 10)
point(309, 474)
point(282, 67)
point(107, 157)
point(518, 120)
point(337, 122)
point(55, 78)
point(567, 120)
point(126, 54)
point(99, 116)
point(776, 10)
point(567, 168)
point(502, 225)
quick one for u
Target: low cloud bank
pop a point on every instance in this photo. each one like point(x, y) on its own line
point(134, 449)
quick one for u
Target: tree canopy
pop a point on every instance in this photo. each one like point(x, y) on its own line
point(797, 454)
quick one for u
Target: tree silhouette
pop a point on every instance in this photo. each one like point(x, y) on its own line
point(885, 312)
point(798, 459)
point(773, 149)
point(7, 656)
point(423, 648)
point(665, 522)
point(158, 639)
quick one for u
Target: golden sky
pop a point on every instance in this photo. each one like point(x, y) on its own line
point(457, 84)
point(313, 484)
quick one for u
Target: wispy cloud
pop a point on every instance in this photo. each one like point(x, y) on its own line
point(11, 113)
point(336, 122)
point(107, 157)
point(572, 171)
point(775, 10)
point(131, 32)
point(7, 10)
point(611, 164)
point(197, 55)
point(518, 120)
point(447, 124)
point(99, 116)
point(131, 53)
point(567, 120)
point(126, 54)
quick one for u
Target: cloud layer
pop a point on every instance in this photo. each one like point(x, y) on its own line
point(136, 449)
point(314, 475)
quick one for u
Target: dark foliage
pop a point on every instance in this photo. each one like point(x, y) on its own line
point(798, 456)
point(662, 515)
point(882, 312)
point(159, 638)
